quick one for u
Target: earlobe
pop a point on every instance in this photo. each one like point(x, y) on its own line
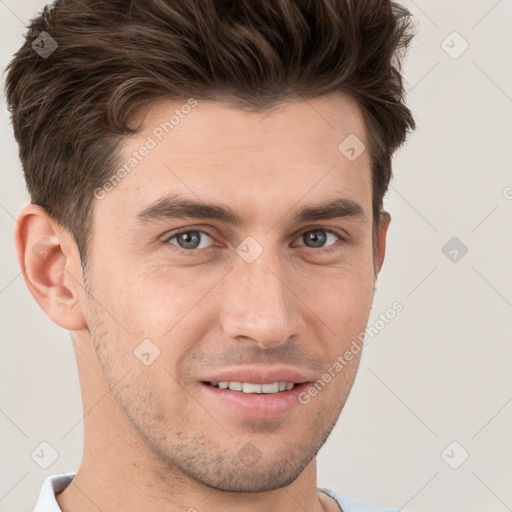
point(380, 250)
point(50, 265)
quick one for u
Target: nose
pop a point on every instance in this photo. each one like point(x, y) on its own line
point(259, 302)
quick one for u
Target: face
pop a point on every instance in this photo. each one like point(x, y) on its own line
point(237, 249)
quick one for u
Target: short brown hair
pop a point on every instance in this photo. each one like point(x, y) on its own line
point(71, 109)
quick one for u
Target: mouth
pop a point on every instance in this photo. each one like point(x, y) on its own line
point(253, 388)
point(251, 400)
point(260, 392)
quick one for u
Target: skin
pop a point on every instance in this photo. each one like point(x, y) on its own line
point(152, 438)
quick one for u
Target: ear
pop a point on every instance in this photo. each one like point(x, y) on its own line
point(50, 263)
point(380, 249)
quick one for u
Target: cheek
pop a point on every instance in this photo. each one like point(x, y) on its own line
point(170, 308)
point(162, 299)
point(342, 303)
point(347, 287)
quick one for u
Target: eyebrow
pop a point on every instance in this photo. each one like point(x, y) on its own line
point(175, 207)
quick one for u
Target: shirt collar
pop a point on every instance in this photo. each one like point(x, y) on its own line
point(52, 486)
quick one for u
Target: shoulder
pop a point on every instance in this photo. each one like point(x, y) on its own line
point(349, 504)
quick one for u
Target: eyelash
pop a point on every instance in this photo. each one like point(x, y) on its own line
point(195, 252)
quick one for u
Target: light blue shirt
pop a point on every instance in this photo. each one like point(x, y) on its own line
point(57, 483)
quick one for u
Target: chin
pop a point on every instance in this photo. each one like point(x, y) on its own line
point(247, 469)
point(276, 476)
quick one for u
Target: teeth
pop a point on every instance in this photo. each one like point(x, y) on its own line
point(235, 386)
point(249, 387)
point(270, 388)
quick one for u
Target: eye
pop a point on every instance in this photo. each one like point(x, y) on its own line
point(190, 240)
point(318, 238)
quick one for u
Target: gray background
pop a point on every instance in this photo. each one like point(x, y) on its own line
point(439, 373)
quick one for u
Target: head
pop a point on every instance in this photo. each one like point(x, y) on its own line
point(207, 182)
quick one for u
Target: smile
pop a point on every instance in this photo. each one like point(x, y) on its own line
point(249, 387)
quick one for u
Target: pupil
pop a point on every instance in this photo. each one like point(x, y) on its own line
point(190, 239)
point(317, 237)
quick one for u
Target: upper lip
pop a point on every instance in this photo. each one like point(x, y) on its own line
point(257, 375)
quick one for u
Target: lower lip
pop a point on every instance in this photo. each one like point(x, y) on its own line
point(255, 405)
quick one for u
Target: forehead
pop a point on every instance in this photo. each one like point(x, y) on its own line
point(218, 127)
point(267, 160)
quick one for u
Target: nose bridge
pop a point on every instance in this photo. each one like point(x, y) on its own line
point(258, 302)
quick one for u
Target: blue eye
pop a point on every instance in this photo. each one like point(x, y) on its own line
point(318, 237)
point(190, 240)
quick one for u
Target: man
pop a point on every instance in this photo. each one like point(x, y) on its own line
point(206, 220)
